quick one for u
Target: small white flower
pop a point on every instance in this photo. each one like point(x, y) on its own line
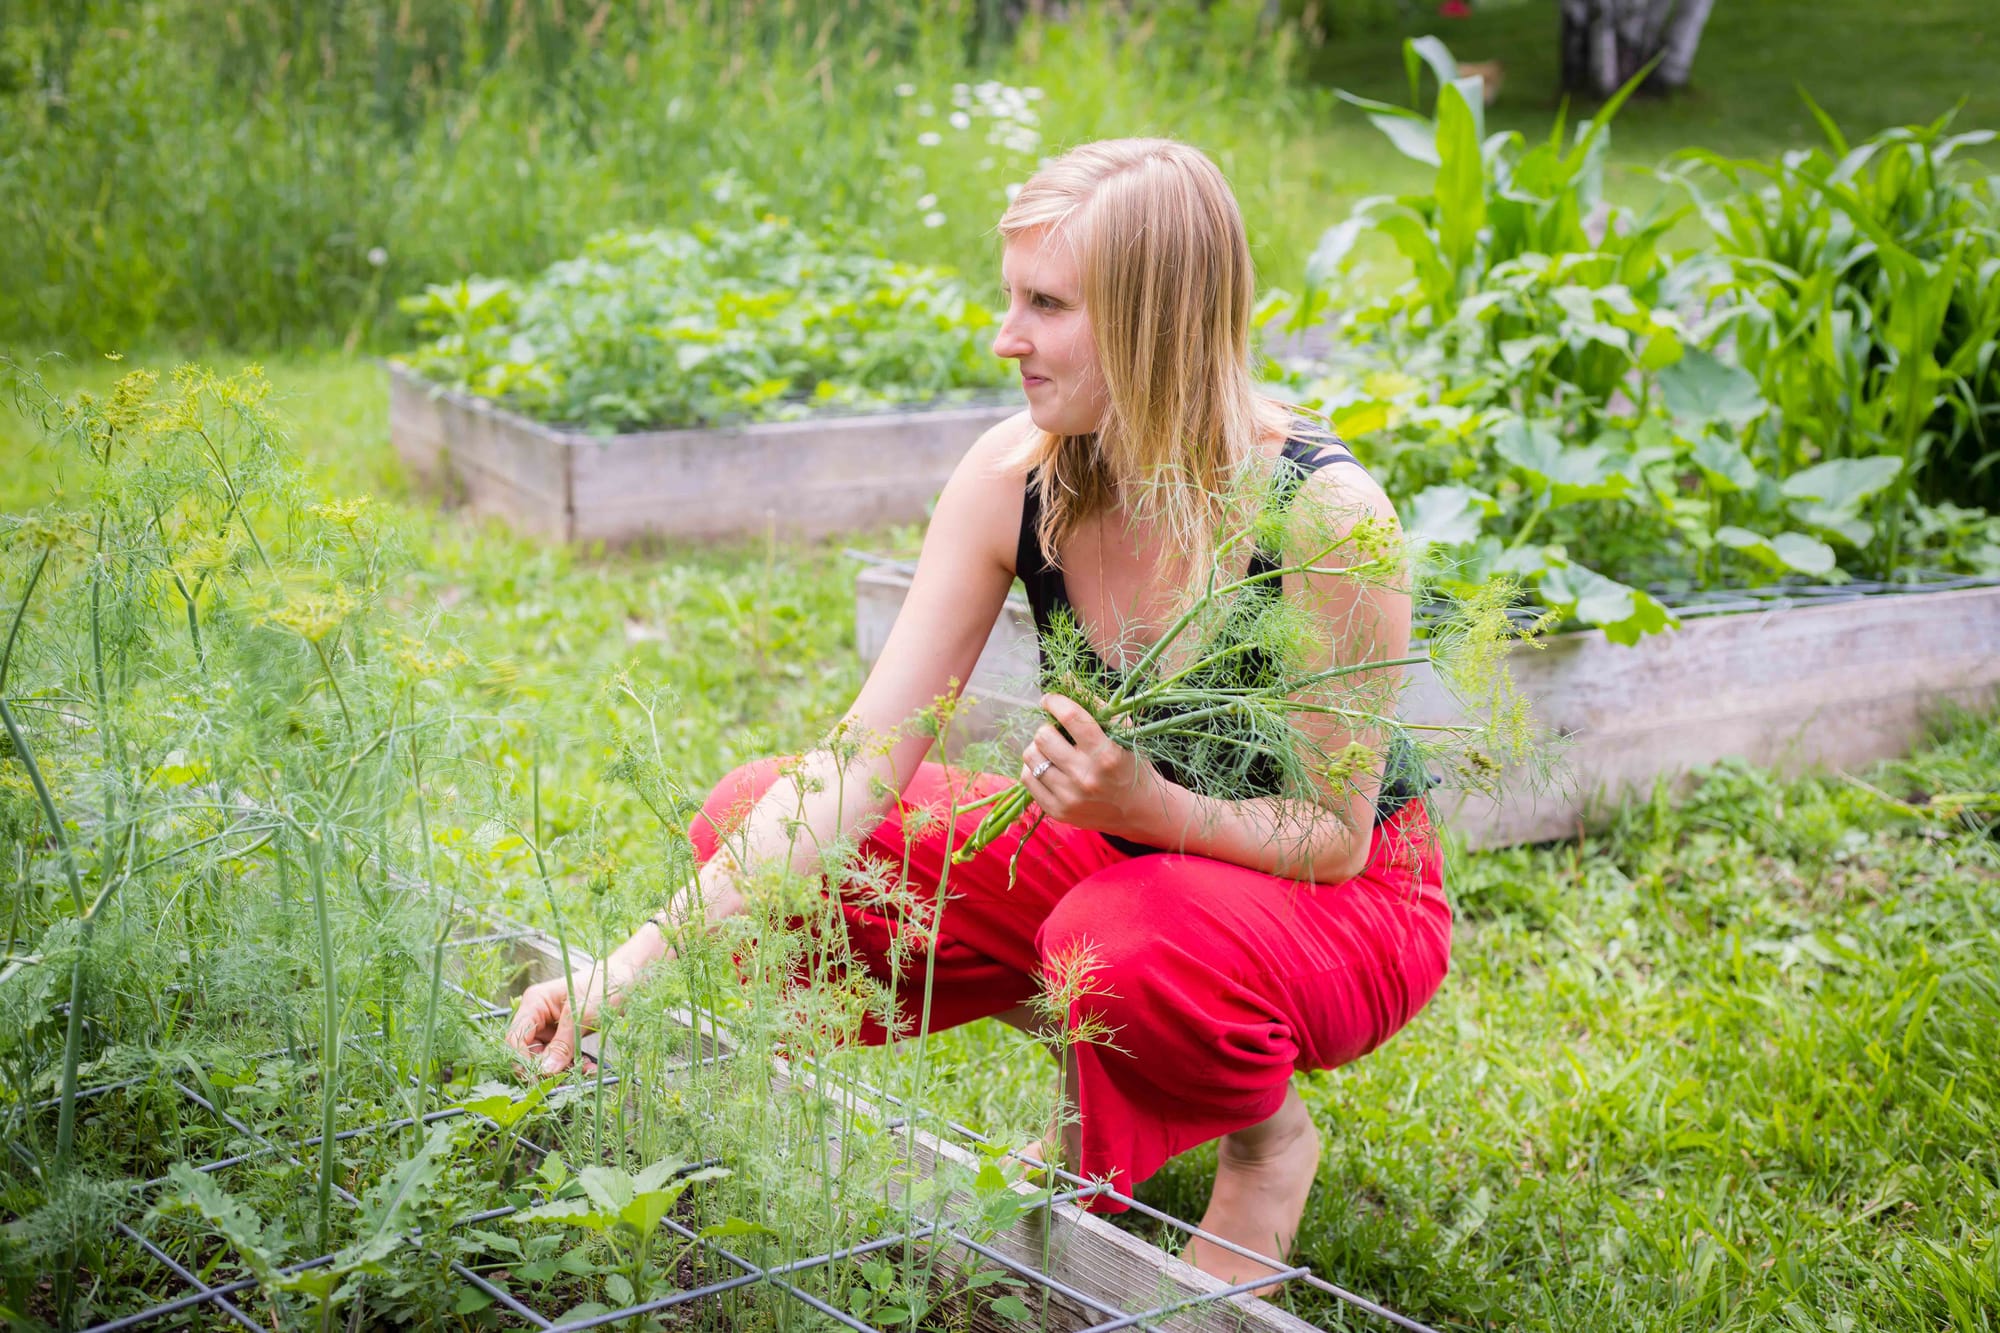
point(960, 121)
point(928, 201)
point(906, 90)
point(933, 219)
point(1013, 190)
point(1032, 94)
point(378, 256)
point(930, 138)
point(926, 109)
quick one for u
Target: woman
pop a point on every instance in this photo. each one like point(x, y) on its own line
point(1230, 942)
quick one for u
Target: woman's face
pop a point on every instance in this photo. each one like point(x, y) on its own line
point(1047, 331)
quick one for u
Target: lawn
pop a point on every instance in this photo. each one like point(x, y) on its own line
point(1727, 1065)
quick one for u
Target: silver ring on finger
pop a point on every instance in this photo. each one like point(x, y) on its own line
point(1041, 768)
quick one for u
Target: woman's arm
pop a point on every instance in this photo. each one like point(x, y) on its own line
point(963, 574)
point(1096, 783)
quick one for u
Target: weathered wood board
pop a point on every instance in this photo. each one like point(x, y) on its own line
point(799, 478)
point(1820, 687)
point(1077, 1249)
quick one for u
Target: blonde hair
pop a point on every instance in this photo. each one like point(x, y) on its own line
point(1168, 283)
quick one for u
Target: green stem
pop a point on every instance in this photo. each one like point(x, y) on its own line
point(1534, 519)
point(329, 1047)
point(339, 698)
point(73, 1032)
point(1189, 616)
point(20, 612)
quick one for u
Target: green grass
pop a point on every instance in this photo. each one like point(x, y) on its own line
point(1727, 1066)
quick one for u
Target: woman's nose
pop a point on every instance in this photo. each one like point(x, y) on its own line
point(1008, 344)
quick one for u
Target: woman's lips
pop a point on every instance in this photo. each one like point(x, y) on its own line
point(1030, 381)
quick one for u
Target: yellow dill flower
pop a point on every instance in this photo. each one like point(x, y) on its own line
point(313, 615)
point(416, 657)
point(346, 513)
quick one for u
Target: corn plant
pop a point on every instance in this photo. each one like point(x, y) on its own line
point(1864, 284)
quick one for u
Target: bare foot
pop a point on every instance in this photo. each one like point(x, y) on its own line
point(1262, 1177)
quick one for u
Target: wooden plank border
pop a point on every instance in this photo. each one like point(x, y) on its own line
point(1802, 688)
point(806, 478)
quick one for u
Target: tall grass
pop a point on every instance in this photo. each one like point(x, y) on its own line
point(263, 174)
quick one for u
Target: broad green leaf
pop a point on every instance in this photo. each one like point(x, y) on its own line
point(1624, 613)
point(643, 1214)
point(1433, 52)
point(388, 1210)
point(1461, 180)
point(1356, 420)
point(1585, 472)
point(1723, 462)
point(1843, 523)
point(470, 1300)
point(1410, 131)
point(619, 1288)
point(732, 1227)
point(1011, 1308)
point(504, 1104)
point(576, 1212)
point(649, 1178)
point(1413, 138)
point(1701, 388)
point(1787, 552)
point(258, 1246)
point(1336, 243)
point(1842, 483)
point(1446, 515)
point(610, 1190)
point(1808, 555)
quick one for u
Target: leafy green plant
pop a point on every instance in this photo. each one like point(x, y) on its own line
point(388, 1211)
point(714, 324)
point(1863, 282)
point(624, 1208)
point(1566, 402)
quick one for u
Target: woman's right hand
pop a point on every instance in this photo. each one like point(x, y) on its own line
point(546, 1026)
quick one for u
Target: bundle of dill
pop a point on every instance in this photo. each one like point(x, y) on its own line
point(1246, 694)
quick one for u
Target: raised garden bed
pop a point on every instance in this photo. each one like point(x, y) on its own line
point(805, 478)
point(1078, 1271)
point(1793, 686)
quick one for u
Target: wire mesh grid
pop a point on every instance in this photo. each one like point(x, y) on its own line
point(1090, 1312)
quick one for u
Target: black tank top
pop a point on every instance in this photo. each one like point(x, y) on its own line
point(1403, 778)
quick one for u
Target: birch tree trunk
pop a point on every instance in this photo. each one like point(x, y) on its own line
point(1605, 42)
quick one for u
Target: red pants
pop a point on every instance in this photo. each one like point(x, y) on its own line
point(1218, 980)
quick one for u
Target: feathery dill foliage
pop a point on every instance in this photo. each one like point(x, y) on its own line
point(1247, 694)
point(248, 794)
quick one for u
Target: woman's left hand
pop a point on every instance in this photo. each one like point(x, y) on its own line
point(1086, 779)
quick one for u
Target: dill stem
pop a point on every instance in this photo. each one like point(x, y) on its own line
point(1189, 616)
point(339, 698)
point(437, 949)
point(329, 1038)
point(20, 612)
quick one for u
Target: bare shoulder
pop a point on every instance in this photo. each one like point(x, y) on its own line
point(1000, 451)
point(978, 516)
point(1346, 488)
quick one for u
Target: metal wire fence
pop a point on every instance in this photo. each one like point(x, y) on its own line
point(721, 1269)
